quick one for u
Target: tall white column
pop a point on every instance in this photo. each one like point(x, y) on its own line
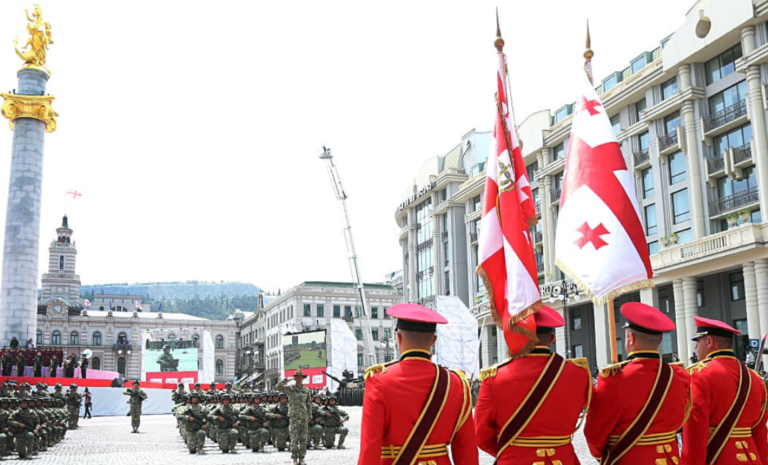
point(548, 229)
point(691, 310)
point(761, 277)
point(601, 335)
point(691, 148)
point(757, 118)
point(681, 327)
point(436, 264)
point(750, 294)
point(412, 294)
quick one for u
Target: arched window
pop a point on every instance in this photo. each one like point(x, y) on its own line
point(39, 337)
point(74, 338)
point(95, 363)
point(119, 308)
point(61, 262)
point(96, 339)
point(219, 368)
point(101, 308)
point(219, 341)
point(122, 338)
point(171, 337)
point(56, 338)
point(121, 366)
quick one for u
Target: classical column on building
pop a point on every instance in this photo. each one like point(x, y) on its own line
point(750, 294)
point(560, 338)
point(411, 271)
point(437, 269)
point(761, 278)
point(501, 346)
point(681, 328)
point(602, 342)
point(691, 310)
point(759, 144)
point(691, 149)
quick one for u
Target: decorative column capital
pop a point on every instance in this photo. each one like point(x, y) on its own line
point(37, 107)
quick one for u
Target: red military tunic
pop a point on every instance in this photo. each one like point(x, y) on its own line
point(395, 395)
point(547, 438)
point(622, 391)
point(714, 384)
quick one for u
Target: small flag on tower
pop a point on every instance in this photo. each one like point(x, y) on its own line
point(137, 304)
point(87, 303)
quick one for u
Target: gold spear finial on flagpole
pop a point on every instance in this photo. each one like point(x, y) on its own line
point(499, 42)
point(588, 54)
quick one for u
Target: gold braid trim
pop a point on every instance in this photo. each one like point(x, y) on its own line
point(584, 363)
point(491, 297)
point(514, 328)
point(636, 286)
point(611, 370)
point(380, 368)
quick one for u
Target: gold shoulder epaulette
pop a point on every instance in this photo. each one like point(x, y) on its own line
point(491, 371)
point(380, 368)
point(611, 370)
point(580, 362)
point(698, 366)
point(462, 375)
point(678, 364)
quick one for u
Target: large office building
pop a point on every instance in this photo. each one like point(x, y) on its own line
point(690, 117)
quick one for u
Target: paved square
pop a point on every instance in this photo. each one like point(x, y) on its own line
point(106, 440)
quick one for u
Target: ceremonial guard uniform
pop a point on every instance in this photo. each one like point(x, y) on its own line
point(413, 409)
point(528, 408)
point(639, 404)
point(728, 419)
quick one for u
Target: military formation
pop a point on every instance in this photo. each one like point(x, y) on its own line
point(291, 419)
point(31, 421)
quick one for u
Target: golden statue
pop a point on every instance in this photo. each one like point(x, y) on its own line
point(34, 51)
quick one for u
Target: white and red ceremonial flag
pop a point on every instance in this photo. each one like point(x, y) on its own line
point(505, 253)
point(137, 304)
point(87, 303)
point(600, 241)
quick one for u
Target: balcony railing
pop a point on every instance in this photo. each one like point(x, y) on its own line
point(742, 153)
point(424, 245)
point(481, 307)
point(668, 141)
point(715, 164)
point(725, 116)
point(428, 301)
point(643, 156)
point(445, 235)
point(734, 202)
point(554, 193)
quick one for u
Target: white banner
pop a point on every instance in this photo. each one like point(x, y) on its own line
point(457, 342)
point(342, 351)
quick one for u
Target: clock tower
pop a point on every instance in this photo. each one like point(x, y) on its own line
point(61, 286)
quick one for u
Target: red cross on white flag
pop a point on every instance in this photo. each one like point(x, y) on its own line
point(600, 241)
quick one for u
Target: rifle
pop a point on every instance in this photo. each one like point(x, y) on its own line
point(191, 413)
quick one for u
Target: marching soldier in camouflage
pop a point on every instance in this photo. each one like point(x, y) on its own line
point(195, 421)
point(74, 400)
point(255, 420)
point(138, 396)
point(279, 423)
point(316, 423)
point(333, 424)
point(5, 415)
point(24, 423)
point(225, 419)
point(299, 413)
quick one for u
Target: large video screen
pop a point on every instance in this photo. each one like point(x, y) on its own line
point(170, 356)
point(306, 351)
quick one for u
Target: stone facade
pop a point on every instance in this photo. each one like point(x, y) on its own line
point(61, 282)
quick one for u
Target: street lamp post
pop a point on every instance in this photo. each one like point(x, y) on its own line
point(563, 291)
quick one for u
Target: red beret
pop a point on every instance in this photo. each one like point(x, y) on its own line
point(646, 319)
point(548, 318)
point(710, 327)
point(414, 317)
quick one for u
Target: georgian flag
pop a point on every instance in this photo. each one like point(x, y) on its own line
point(87, 303)
point(137, 304)
point(505, 253)
point(600, 242)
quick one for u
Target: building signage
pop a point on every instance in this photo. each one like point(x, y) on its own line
point(416, 196)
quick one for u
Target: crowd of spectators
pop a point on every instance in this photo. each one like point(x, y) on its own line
point(39, 361)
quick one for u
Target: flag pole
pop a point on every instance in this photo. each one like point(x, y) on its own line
point(588, 54)
point(499, 43)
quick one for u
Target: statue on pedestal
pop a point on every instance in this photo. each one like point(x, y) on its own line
point(34, 51)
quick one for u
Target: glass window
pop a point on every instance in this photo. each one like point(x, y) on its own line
point(671, 122)
point(56, 338)
point(337, 311)
point(121, 366)
point(219, 368)
point(616, 124)
point(727, 187)
point(650, 220)
point(653, 247)
point(639, 108)
point(532, 169)
point(737, 286)
point(95, 363)
point(348, 312)
point(375, 334)
point(610, 82)
point(561, 114)
point(321, 310)
point(700, 293)
point(677, 168)
point(756, 216)
point(96, 339)
point(730, 96)
point(578, 351)
point(638, 64)
point(219, 341)
point(735, 138)
point(723, 65)
point(647, 176)
point(559, 151)
point(74, 338)
point(384, 311)
point(375, 312)
point(122, 338)
point(307, 310)
point(680, 206)
point(360, 359)
point(575, 320)
point(359, 334)
point(39, 337)
point(387, 333)
point(685, 236)
point(476, 203)
point(644, 141)
point(669, 88)
point(357, 311)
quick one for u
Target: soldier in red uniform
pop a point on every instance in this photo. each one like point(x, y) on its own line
point(640, 404)
point(413, 409)
point(727, 424)
point(543, 422)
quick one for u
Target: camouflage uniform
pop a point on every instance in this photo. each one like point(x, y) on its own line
point(254, 418)
point(24, 423)
point(225, 419)
point(194, 419)
point(333, 424)
point(278, 426)
point(137, 397)
point(299, 412)
point(74, 400)
point(5, 414)
point(316, 427)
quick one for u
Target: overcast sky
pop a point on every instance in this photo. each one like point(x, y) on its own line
point(192, 129)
